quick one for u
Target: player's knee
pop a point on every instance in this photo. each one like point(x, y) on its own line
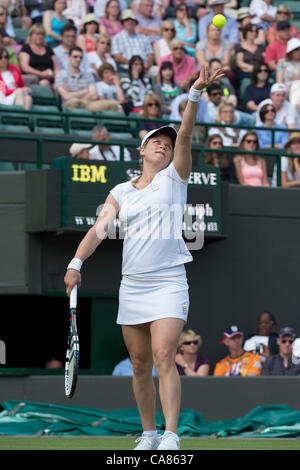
point(163, 359)
point(140, 366)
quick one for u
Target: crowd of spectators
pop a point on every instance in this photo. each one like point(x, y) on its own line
point(142, 56)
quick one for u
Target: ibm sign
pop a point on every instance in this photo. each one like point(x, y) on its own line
point(2, 352)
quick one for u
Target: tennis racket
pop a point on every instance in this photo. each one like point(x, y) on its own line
point(72, 355)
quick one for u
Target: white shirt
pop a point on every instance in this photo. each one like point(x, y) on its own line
point(111, 155)
point(227, 139)
point(152, 220)
point(285, 167)
point(93, 58)
point(259, 8)
point(286, 115)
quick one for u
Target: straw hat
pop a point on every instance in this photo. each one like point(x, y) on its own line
point(294, 136)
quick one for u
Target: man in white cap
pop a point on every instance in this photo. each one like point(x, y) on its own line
point(283, 74)
point(285, 112)
point(230, 31)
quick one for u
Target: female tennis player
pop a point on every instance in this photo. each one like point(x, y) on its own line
point(153, 296)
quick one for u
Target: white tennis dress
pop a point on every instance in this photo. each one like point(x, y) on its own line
point(154, 283)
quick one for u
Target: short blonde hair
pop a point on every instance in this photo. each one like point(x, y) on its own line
point(191, 333)
point(103, 36)
point(35, 28)
point(220, 109)
point(164, 24)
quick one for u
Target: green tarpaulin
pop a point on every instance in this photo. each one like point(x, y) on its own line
point(31, 419)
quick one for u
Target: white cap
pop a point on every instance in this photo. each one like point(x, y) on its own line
point(168, 130)
point(129, 14)
point(292, 44)
point(278, 87)
point(76, 148)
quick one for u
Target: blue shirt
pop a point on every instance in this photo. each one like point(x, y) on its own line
point(125, 368)
point(265, 137)
point(229, 31)
point(181, 34)
point(202, 116)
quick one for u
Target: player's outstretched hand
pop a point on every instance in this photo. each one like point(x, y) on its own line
point(71, 279)
point(205, 79)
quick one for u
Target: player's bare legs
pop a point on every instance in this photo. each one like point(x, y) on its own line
point(138, 342)
point(165, 335)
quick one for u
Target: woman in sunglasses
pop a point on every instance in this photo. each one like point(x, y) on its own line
point(248, 54)
point(188, 361)
point(151, 110)
point(259, 89)
point(251, 169)
point(12, 86)
point(283, 14)
point(161, 47)
point(219, 159)
point(288, 68)
point(267, 115)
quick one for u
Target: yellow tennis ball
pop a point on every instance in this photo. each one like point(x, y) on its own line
point(219, 21)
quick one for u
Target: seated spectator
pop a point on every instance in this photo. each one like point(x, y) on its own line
point(238, 362)
point(264, 12)
point(13, 58)
point(196, 7)
point(283, 14)
point(148, 24)
point(75, 12)
point(158, 11)
point(6, 30)
point(109, 89)
point(77, 89)
point(54, 21)
point(188, 361)
point(285, 112)
point(248, 53)
point(88, 37)
point(244, 18)
point(221, 160)
point(251, 170)
point(161, 47)
point(185, 28)
point(68, 40)
point(259, 89)
point(106, 151)
point(264, 340)
point(228, 91)
point(136, 85)
point(277, 49)
point(17, 14)
point(167, 89)
point(281, 363)
point(37, 60)
point(128, 43)
point(151, 110)
point(100, 5)
point(231, 137)
point(288, 69)
point(80, 150)
point(124, 368)
point(290, 166)
point(214, 95)
point(110, 24)
point(13, 89)
point(230, 31)
point(267, 116)
point(213, 47)
point(183, 64)
point(198, 131)
point(101, 54)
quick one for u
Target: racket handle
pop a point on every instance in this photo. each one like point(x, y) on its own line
point(73, 297)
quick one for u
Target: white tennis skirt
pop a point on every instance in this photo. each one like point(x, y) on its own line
point(152, 296)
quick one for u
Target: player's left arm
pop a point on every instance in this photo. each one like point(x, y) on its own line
point(182, 159)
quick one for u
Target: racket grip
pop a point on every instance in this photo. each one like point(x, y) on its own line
point(73, 297)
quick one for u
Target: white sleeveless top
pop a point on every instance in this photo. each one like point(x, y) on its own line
point(152, 220)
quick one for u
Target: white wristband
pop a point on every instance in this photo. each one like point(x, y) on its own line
point(75, 263)
point(194, 95)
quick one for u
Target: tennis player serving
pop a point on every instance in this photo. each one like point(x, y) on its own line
point(153, 296)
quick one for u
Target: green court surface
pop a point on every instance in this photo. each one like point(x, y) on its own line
point(125, 443)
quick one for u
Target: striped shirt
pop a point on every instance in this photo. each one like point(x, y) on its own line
point(80, 81)
point(131, 44)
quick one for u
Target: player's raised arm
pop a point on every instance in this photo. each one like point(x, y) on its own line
point(182, 153)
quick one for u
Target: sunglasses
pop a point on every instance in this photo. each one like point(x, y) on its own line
point(217, 142)
point(152, 104)
point(188, 343)
point(270, 110)
point(5, 57)
point(283, 13)
point(287, 341)
point(263, 70)
point(178, 48)
point(169, 29)
point(77, 57)
point(216, 93)
point(251, 141)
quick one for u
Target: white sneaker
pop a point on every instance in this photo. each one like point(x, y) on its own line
point(147, 442)
point(169, 441)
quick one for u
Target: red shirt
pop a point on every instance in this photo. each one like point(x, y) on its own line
point(16, 73)
point(275, 51)
point(182, 71)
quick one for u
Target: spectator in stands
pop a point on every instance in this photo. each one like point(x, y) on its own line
point(76, 11)
point(290, 166)
point(80, 150)
point(13, 58)
point(188, 361)
point(228, 91)
point(185, 28)
point(12, 87)
point(277, 49)
point(213, 47)
point(158, 11)
point(288, 69)
point(148, 24)
point(259, 89)
point(221, 160)
point(243, 18)
point(183, 64)
point(105, 151)
point(109, 89)
point(230, 31)
point(110, 24)
point(251, 170)
point(6, 30)
point(238, 362)
point(281, 363)
point(54, 21)
point(197, 8)
point(88, 37)
point(151, 110)
point(265, 13)
point(124, 368)
point(167, 89)
point(128, 43)
point(68, 40)
point(285, 112)
point(283, 14)
point(231, 137)
point(214, 94)
point(101, 54)
point(17, 14)
point(37, 60)
point(267, 115)
point(264, 340)
point(136, 85)
point(248, 53)
point(100, 5)
point(161, 47)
